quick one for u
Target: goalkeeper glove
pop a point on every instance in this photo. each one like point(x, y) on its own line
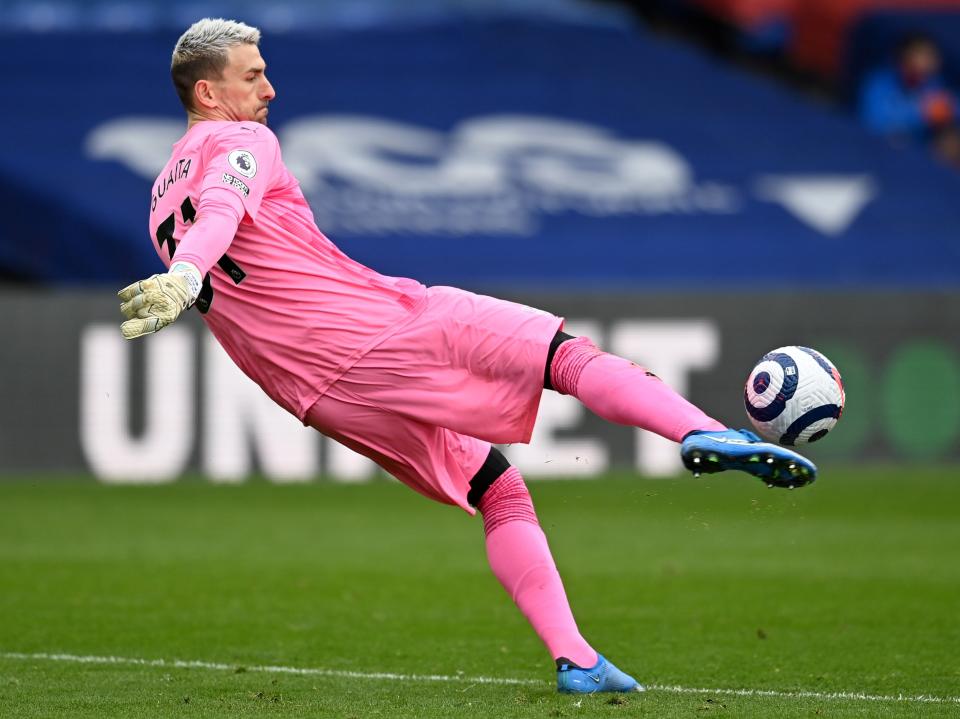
point(151, 304)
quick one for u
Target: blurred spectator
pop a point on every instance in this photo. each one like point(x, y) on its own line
point(946, 145)
point(908, 100)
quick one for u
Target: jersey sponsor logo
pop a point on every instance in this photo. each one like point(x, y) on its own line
point(236, 182)
point(243, 162)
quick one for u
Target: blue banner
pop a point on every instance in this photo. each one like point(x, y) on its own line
point(505, 154)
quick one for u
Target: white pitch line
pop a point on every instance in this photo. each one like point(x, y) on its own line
point(856, 696)
point(340, 673)
point(303, 671)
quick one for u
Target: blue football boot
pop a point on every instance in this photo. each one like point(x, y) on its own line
point(602, 677)
point(705, 452)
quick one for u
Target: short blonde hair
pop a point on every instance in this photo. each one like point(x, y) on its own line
point(201, 52)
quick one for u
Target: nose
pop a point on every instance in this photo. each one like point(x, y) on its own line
point(268, 92)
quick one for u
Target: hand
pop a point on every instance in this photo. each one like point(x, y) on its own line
point(151, 304)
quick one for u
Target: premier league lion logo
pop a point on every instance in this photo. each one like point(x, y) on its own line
point(243, 162)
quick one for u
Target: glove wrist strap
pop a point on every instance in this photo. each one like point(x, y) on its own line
point(191, 275)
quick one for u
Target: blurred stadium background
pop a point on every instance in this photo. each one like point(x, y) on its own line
point(684, 179)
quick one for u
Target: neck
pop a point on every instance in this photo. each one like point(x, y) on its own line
point(194, 116)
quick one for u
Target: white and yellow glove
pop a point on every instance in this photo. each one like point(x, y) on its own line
point(151, 304)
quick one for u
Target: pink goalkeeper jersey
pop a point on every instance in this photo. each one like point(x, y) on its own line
point(289, 308)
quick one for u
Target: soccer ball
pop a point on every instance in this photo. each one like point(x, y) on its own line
point(793, 396)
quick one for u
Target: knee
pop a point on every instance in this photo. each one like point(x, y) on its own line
point(501, 495)
point(492, 469)
point(568, 363)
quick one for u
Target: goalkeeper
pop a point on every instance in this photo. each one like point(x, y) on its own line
point(422, 380)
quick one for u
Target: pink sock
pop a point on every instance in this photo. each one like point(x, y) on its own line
point(622, 392)
point(520, 558)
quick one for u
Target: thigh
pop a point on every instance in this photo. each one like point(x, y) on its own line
point(434, 461)
point(471, 363)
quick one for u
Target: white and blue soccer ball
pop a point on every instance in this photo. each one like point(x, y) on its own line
point(794, 395)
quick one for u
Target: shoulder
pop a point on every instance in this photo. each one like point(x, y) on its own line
point(248, 135)
point(255, 130)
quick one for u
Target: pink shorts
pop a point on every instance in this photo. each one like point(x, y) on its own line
point(427, 402)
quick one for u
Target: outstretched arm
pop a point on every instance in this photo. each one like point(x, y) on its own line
point(151, 304)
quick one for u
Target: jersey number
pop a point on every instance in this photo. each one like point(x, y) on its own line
point(165, 237)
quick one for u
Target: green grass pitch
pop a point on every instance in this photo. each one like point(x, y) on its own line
point(712, 591)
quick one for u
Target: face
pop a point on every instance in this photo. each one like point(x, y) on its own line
point(920, 62)
point(243, 92)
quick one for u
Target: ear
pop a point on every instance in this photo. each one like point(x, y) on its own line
point(204, 93)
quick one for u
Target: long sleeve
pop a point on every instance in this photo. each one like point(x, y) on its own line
point(218, 217)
